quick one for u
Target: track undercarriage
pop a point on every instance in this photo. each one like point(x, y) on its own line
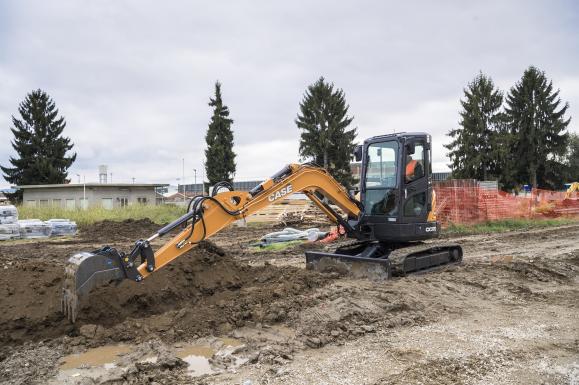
point(381, 261)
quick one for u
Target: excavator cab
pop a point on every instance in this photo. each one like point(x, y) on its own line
point(396, 188)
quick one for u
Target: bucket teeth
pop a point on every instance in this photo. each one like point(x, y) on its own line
point(70, 305)
point(69, 293)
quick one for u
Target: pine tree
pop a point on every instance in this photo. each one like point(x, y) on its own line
point(573, 158)
point(325, 137)
point(41, 149)
point(219, 155)
point(537, 123)
point(475, 148)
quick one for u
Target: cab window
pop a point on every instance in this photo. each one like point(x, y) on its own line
point(381, 169)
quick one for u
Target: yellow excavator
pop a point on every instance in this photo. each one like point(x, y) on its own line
point(394, 212)
point(573, 187)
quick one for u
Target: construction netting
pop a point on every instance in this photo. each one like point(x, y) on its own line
point(470, 201)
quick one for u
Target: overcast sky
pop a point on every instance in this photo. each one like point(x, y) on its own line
point(133, 78)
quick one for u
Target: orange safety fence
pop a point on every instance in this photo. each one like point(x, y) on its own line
point(468, 202)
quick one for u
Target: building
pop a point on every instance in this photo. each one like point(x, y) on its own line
point(108, 196)
point(196, 189)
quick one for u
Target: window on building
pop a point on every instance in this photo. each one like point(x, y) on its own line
point(123, 201)
point(107, 203)
point(142, 200)
point(83, 203)
point(31, 203)
point(57, 202)
point(70, 204)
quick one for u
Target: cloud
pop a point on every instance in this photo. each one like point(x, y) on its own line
point(133, 78)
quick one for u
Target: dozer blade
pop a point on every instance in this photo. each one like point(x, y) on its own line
point(86, 271)
point(377, 269)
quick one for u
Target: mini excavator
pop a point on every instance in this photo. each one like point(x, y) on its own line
point(394, 213)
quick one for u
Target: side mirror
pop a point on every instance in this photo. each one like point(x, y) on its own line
point(358, 153)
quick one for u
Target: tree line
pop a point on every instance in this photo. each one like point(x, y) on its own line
point(43, 153)
point(518, 138)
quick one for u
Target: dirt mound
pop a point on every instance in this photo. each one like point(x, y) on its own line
point(203, 292)
point(133, 229)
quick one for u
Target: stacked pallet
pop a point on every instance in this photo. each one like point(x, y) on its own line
point(273, 213)
point(292, 212)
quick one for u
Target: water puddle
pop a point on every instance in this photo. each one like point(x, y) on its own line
point(197, 356)
point(105, 356)
point(205, 356)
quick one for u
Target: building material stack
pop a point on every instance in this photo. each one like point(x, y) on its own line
point(9, 228)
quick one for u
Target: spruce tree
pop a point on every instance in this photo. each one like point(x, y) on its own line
point(573, 159)
point(41, 149)
point(537, 124)
point(475, 148)
point(325, 137)
point(219, 155)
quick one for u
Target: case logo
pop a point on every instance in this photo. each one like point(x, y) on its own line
point(431, 229)
point(281, 193)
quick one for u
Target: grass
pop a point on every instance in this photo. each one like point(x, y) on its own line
point(160, 214)
point(507, 225)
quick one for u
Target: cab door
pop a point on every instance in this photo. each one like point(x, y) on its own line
point(416, 181)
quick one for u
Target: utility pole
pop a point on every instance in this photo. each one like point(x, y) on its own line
point(203, 180)
point(84, 202)
point(111, 177)
point(195, 181)
point(183, 180)
point(133, 178)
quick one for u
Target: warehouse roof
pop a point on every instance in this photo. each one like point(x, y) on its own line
point(125, 185)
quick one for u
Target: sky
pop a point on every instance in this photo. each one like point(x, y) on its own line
point(133, 78)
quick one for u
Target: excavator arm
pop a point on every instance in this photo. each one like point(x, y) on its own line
point(206, 215)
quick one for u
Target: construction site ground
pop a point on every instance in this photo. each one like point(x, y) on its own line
point(228, 313)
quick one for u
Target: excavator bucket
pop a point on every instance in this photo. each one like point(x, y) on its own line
point(85, 272)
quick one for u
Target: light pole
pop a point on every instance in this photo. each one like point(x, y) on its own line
point(195, 181)
point(203, 180)
point(183, 180)
point(84, 202)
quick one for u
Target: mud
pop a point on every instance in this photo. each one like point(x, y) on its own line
point(510, 309)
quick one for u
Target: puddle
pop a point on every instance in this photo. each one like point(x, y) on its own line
point(197, 355)
point(105, 356)
point(107, 360)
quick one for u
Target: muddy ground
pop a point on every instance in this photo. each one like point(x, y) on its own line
point(508, 315)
